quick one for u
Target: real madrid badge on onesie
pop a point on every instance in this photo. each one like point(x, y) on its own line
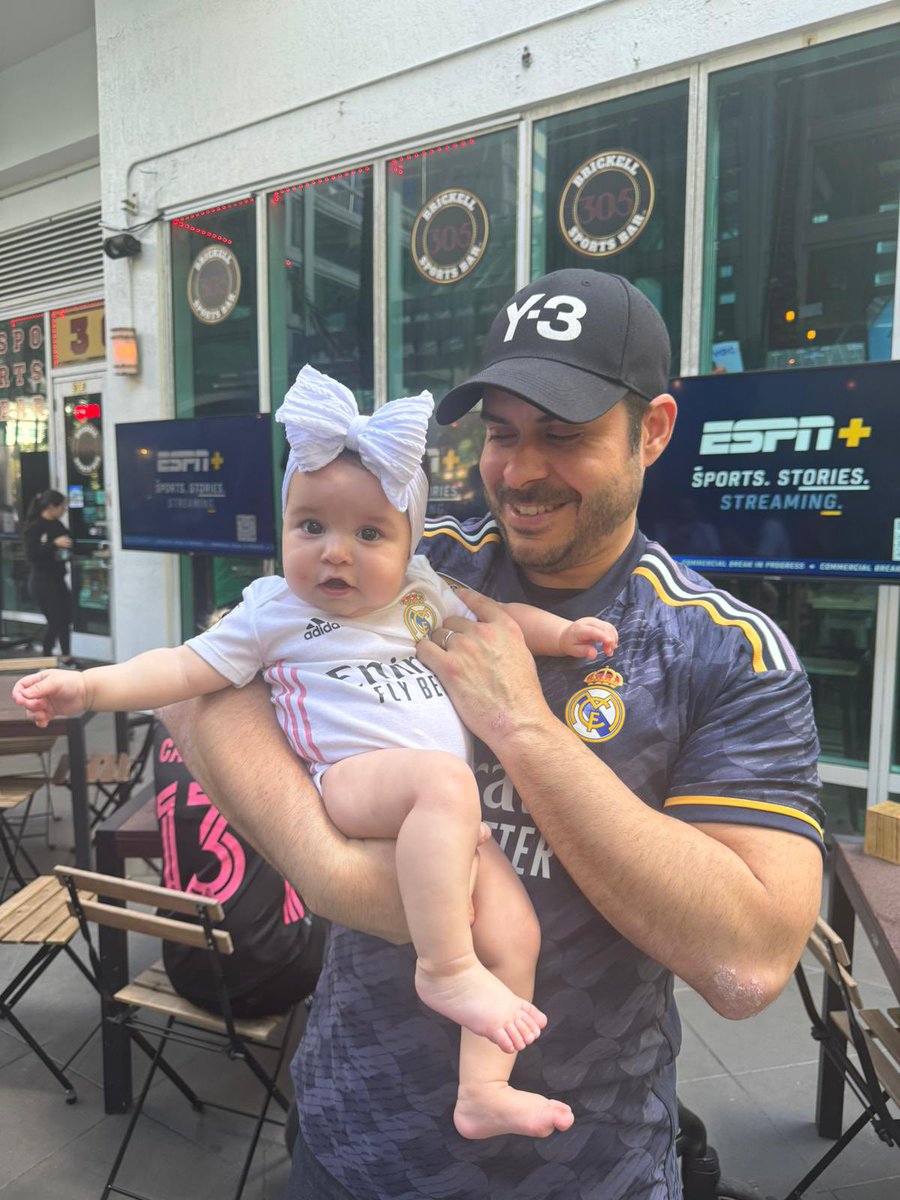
point(418, 614)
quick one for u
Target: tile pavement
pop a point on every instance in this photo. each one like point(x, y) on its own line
point(752, 1082)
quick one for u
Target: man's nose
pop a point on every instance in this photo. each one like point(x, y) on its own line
point(525, 464)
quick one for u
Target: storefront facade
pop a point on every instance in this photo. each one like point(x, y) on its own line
point(744, 173)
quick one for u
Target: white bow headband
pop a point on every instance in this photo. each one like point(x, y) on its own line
point(321, 419)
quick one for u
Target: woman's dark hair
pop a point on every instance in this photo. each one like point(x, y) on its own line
point(48, 499)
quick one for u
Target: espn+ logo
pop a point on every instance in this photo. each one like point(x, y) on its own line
point(766, 435)
point(558, 319)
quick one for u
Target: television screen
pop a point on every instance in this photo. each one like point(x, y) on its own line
point(782, 473)
point(199, 485)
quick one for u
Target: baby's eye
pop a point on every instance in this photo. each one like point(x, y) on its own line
point(369, 533)
point(313, 528)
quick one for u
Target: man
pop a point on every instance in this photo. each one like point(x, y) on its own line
point(660, 807)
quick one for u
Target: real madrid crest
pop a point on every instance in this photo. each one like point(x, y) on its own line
point(449, 235)
point(606, 203)
point(597, 712)
point(419, 616)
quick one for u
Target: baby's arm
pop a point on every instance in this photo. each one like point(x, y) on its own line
point(547, 634)
point(150, 680)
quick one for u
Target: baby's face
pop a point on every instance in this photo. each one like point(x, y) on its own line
point(344, 547)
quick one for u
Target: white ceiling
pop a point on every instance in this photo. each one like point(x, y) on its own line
point(30, 26)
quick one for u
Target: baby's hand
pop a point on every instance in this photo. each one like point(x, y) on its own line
point(580, 638)
point(50, 694)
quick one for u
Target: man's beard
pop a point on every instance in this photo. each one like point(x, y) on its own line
point(597, 516)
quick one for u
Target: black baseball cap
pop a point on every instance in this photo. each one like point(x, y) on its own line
point(572, 343)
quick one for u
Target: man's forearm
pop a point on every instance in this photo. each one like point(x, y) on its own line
point(682, 896)
point(232, 744)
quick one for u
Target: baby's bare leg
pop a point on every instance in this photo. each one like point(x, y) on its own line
point(507, 940)
point(428, 800)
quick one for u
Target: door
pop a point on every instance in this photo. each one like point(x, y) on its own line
point(80, 471)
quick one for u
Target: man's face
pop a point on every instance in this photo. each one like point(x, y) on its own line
point(564, 495)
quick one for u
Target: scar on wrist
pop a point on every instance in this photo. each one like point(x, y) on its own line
point(499, 722)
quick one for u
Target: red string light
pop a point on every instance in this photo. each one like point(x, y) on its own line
point(33, 317)
point(218, 208)
point(216, 237)
point(396, 164)
point(277, 195)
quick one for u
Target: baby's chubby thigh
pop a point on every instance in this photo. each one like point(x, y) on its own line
point(370, 795)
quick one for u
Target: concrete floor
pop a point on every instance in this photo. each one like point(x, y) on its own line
point(752, 1082)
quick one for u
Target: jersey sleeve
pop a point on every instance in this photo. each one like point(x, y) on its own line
point(232, 647)
point(448, 598)
point(751, 757)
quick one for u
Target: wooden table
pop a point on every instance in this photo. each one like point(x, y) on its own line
point(15, 724)
point(869, 889)
point(131, 832)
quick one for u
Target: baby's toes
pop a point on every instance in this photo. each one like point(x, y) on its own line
point(539, 1018)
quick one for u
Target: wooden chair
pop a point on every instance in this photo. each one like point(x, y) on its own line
point(41, 748)
point(874, 1035)
point(112, 776)
point(16, 792)
point(101, 899)
point(38, 916)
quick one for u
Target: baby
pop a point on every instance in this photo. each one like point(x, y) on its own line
point(336, 640)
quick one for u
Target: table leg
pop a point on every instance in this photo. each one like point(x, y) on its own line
point(830, 1092)
point(79, 786)
point(113, 945)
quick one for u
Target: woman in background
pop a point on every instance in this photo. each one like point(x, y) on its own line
point(47, 547)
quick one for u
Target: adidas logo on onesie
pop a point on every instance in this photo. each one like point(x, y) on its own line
point(317, 628)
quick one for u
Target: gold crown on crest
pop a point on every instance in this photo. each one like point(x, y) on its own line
point(413, 598)
point(606, 676)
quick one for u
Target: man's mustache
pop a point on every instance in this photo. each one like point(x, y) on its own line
point(535, 495)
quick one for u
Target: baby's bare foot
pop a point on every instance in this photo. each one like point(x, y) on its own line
point(467, 993)
point(490, 1109)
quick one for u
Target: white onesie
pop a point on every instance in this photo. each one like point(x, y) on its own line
point(343, 687)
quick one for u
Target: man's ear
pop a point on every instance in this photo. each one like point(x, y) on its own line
point(657, 427)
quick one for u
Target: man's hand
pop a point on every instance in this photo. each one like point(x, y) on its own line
point(50, 694)
point(487, 669)
point(580, 638)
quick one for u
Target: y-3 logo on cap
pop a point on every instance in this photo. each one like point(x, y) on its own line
point(565, 313)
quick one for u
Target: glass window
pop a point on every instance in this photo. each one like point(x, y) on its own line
point(214, 311)
point(320, 284)
point(608, 192)
point(451, 246)
point(832, 627)
point(801, 228)
point(24, 452)
point(845, 810)
point(214, 307)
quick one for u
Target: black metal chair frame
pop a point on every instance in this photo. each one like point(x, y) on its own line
point(862, 1079)
point(144, 1033)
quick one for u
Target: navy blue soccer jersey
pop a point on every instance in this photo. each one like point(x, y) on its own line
point(703, 711)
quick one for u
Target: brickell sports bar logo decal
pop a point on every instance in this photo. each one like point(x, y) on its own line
point(596, 712)
point(449, 236)
point(214, 284)
point(606, 203)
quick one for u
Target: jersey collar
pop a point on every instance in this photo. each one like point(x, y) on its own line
point(506, 585)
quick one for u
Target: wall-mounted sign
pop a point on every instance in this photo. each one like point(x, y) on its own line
point(22, 357)
point(214, 284)
point(782, 473)
point(78, 334)
point(606, 203)
point(449, 236)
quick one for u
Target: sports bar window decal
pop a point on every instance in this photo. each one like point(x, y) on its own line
point(606, 203)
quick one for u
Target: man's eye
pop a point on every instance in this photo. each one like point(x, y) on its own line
point(499, 435)
point(313, 528)
point(369, 534)
point(562, 437)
